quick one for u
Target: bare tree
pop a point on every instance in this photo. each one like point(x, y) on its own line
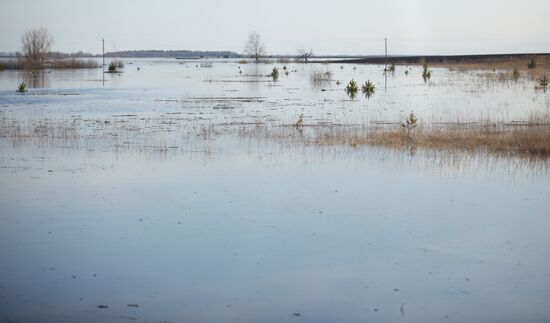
point(305, 55)
point(254, 46)
point(36, 44)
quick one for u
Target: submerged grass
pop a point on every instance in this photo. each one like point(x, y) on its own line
point(531, 67)
point(527, 140)
point(523, 141)
point(74, 63)
point(68, 63)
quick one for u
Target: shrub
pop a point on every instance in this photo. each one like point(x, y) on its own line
point(532, 64)
point(300, 122)
point(22, 88)
point(426, 73)
point(368, 88)
point(320, 76)
point(352, 88)
point(543, 82)
point(73, 63)
point(115, 65)
point(390, 69)
point(515, 74)
point(275, 74)
point(410, 123)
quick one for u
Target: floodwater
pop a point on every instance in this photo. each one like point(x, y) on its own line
point(135, 198)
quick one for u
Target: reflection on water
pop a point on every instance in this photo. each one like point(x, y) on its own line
point(263, 235)
point(36, 79)
point(145, 202)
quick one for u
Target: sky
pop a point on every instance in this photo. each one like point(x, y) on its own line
point(353, 27)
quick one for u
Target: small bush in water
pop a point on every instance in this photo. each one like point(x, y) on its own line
point(515, 74)
point(22, 88)
point(300, 122)
point(368, 87)
point(352, 87)
point(275, 74)
point(543, 82)
point(426, 73)
point(410, 123)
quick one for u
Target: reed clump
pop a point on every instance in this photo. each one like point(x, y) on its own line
point(74, 63)
point(526, 140)
point(319, 76)
point(543, 82)
point(426, 73)
point(115, 66)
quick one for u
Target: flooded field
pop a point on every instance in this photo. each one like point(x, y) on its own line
point(188, 191)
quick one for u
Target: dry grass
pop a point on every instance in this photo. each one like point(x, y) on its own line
point(511, 140)
point(505, 66)
point(320, 76)
point(11, 64)
point(73, 63)
point(69, 63)
point(530, 139)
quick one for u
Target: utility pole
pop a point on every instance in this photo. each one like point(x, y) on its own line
point(103, 63)
point(386, 47)
point(103, 66)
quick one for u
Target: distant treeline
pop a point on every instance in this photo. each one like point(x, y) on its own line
point(172, 54)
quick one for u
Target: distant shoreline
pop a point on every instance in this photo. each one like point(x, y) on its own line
point(416, 59)
point(341, 59)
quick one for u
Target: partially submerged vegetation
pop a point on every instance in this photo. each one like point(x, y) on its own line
point(73, 63)
point(410, 123)
point(275, 74)
point(36, 55)
point(368, 88)
point(115, 66)
point(320, 76)
point(426, 73)
point(68, 63)
point(503, 140)
point(390, 69)
point(543, 82)
point(531, 67)
point(530, 139)
point(22, 88)
point(352, 88)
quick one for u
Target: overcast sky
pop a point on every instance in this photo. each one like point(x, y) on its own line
point(328, 27)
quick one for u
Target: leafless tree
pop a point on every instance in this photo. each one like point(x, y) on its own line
point(305, 55)
point(36, 44)
point(254, 46)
